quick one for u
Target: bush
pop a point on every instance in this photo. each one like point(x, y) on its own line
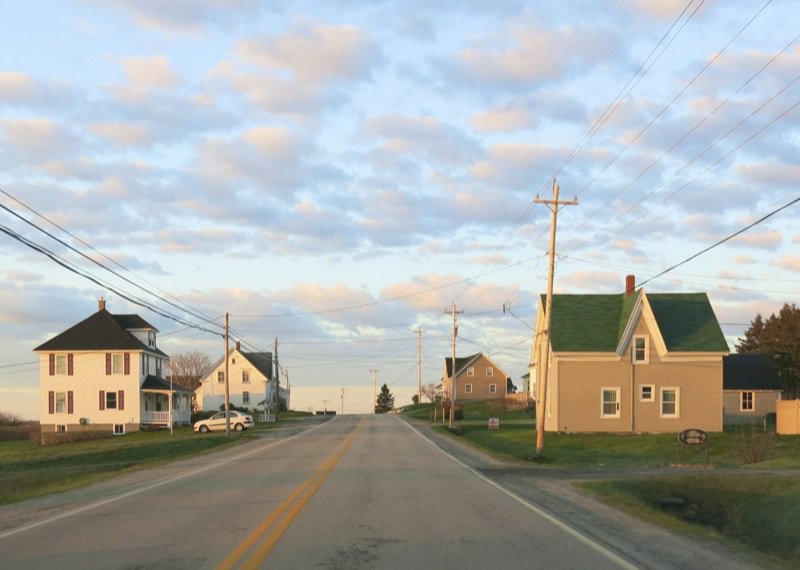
point(754, 445)
point(18, 432)
point(9, 419)
point(57, 438)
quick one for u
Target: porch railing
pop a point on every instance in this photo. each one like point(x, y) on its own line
point(178, 416)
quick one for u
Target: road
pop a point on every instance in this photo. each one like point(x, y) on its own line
point(353, 492)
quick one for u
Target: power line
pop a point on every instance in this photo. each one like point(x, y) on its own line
point(720, 242)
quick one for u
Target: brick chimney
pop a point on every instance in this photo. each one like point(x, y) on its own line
point(630, 284)
point(101, 304)
point(238, 346)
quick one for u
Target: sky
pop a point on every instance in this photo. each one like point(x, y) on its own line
point(337, 175)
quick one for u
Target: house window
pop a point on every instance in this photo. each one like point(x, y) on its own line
point(61, 402)
point(640, 353)
point(111, 400)
point(609, 403)
point(468, 388)
point(646, 393)
point(747, 401)
point(61, 429)
point(670, 403)
point(492, 388)
point(117, 364)
point(61, 364)
point(489, 371)
point(119, 429)
point(245, 376)
point(220, 377)
point(245, 397)
point(470, 371)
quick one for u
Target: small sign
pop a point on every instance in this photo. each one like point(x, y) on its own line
point(692, 437)
point(494, 423)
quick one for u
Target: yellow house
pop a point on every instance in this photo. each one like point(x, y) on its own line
point(636, 362)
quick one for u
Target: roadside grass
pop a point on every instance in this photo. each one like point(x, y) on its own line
point(28, 470)
point(751, 503)
point(761, 512)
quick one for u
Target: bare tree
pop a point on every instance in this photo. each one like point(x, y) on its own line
point(187, 368)
point(429, 391)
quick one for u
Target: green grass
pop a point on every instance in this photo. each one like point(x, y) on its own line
point(760, 512)
point(28, 470)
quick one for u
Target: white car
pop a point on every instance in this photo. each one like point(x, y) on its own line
point(239, 422)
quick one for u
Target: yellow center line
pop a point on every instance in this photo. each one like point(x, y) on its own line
point(289, 510)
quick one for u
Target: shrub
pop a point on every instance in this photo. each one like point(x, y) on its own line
point(57, 438)
point(754, 445)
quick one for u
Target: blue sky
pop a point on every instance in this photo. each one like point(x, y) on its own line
point(336, 174)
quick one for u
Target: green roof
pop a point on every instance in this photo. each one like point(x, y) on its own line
point(687, 322)
point(596, 323)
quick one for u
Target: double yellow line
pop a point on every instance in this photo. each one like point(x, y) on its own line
point(273, 527)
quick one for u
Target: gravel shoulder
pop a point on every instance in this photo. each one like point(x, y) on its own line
point(555, 491)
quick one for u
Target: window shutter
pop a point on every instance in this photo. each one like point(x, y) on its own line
point(121, 400)
point(51, 402)
point(70, 407)
point(102, 400)
point(70, 363)
point(127, 363)
point(108, 363)
point(52, 359)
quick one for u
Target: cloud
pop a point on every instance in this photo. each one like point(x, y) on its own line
point(767, 239)
point(790, 263)
point(125, 134)
point(150, 72)
point(519, 63)
point(16, 87)
point(184, 17)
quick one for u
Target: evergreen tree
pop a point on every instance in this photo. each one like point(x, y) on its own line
point(778, 337)
point(385, 401)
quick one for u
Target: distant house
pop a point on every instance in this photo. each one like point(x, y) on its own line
point(635, 362)
point(751, 388)
point(477, 378)
point(106, 374)
point(250, 381)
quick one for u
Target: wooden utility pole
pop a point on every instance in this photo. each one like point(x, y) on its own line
point(288, 390)
point(227, 386)
point(277, 382)
point(453, 367)
point(342, 396)
point(374, 390)
point(419, 332)
point(544, 341)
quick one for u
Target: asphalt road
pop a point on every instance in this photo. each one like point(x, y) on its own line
point(353, 492)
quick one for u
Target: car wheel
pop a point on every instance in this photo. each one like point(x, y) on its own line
point(238, 427)
point(203, 429)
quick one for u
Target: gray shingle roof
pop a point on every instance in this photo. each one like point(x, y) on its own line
point(101, 331)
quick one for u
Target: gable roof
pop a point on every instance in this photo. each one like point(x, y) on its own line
point(596, 323)
point(261, 361)
point(101, 331)
point(461, 363)
point(749, 372)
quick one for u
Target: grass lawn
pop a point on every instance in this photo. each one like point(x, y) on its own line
point(28, 470)
point(758, 511)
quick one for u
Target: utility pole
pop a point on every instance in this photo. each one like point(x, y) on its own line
point(227, 387)
point(325, 406)
point(544, 341)
point(419, 332)
point(374, 390)
point(453, 367)
point(288, 390)
point(277, 382)
point(342, 397)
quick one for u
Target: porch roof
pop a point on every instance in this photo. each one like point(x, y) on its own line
point(156, 384)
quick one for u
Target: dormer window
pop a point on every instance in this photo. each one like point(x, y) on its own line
point(640, 352)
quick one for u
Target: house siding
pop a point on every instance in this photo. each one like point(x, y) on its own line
point(576, 383)
point(766, 402)
point(480, 381)
point(89, 378)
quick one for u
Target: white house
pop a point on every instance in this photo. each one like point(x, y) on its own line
point(250, 382)
point(106, 374)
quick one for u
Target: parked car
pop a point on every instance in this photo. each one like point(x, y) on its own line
point(239, 422)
